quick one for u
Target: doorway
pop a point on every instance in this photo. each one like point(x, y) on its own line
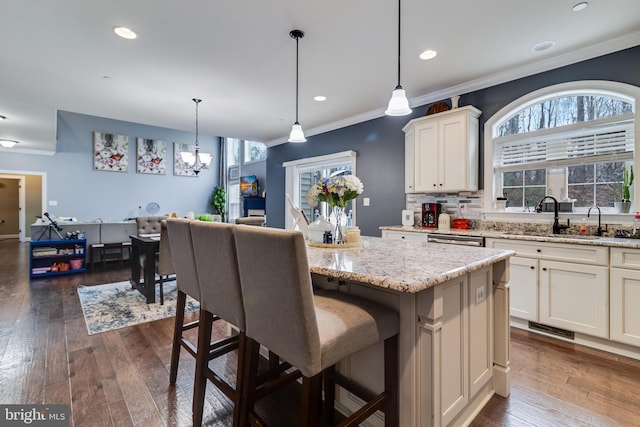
point(10, 206)
point(23, 208)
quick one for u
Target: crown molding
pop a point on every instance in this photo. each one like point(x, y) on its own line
point(537, 67)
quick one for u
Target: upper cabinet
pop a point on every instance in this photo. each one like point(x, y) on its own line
point(441, 152)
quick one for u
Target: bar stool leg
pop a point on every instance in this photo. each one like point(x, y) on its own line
point(177, 336)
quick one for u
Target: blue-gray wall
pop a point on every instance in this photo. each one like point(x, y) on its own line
point(380, 142)
point(88, 194)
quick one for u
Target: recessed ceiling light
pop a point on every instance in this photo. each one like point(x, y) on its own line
point(125, 33)
point(8, 143)
point(428, 54)
point(539, 47)
point(320, 98)
point(580, 6)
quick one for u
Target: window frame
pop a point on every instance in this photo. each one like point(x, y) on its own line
point(629, 93)
point(292, 169)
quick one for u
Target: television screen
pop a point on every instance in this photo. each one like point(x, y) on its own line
point(248, 186)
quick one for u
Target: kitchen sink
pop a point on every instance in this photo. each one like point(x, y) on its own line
point(559, 236)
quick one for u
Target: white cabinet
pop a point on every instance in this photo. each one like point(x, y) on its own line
point(524, 288)
point(561, 285)
point(404, 235)
point(441, 152)
point(625, 296)
point(575, 297)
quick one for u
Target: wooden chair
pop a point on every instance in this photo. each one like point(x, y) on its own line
point(164, 262)
point(312, 332)
point(220, 297)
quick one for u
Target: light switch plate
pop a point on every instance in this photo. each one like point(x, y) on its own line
point(366, 201)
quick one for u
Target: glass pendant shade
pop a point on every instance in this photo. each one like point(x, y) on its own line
point(188, 157)
point(297, 134)
point(398, 104)
point(8, 143)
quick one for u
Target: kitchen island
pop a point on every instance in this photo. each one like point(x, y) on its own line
point(453, 304)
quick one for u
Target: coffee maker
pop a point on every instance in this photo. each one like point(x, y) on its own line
point(430, 213)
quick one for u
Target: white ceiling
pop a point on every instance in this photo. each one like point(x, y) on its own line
point(238, 57)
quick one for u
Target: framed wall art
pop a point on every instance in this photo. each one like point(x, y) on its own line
point(180, 168)
point(110, 152)
point(151, 156)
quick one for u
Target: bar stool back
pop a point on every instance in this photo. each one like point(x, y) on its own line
point(220, 298)
point(179, 234)
point(312, 332)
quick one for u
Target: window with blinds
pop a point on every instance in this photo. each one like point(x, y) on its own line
point(603, 140)
point(577, 144)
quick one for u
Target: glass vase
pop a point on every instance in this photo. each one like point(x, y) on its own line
point(338, 233)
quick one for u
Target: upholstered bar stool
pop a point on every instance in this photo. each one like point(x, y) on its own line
point(220, 297)
point(312, 332)
point(181, 245)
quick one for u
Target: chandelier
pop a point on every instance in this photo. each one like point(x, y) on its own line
point(196, 161)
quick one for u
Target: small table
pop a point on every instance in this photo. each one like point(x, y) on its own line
point(147, 245)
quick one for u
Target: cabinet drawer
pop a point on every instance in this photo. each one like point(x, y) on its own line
point(401, 235)
point(625, 258)
point(584, 254)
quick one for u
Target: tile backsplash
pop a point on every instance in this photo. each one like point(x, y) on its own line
point(468, 206)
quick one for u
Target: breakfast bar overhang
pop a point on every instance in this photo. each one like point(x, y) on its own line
point(453, 304)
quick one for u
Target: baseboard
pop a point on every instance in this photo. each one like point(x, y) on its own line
point(584, 340)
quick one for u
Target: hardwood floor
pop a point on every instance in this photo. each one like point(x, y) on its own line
point(121, 378)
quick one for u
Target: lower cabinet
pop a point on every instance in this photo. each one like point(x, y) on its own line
point(575, 297)
point(625, 296)
point(558, 284)
point(524, 288)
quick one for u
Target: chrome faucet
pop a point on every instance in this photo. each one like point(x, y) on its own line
point(557, 228)
point(599, 230)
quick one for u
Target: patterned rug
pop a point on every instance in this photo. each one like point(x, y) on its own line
point(116, 305)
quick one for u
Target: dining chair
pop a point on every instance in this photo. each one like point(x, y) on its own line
point(311, 331)
point(164, 262)
point(220, 298)
point(181, 244)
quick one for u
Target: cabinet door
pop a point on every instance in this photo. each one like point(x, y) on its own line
point(625, 306)
point(575, 297)
point(426, 156)
point(523, 287)
point(409, 162)
point(453, 167)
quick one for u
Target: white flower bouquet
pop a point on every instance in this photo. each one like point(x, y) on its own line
point(336, 191)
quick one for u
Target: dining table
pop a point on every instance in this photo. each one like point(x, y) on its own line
point(144, 247)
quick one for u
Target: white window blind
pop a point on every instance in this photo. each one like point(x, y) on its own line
point(604, 140)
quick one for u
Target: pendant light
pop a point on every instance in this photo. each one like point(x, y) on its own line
point(398, 104)
point(297, 134)
point(196, 161)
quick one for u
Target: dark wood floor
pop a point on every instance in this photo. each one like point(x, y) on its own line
point(121, 378)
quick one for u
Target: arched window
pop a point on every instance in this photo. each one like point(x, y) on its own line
point(571, 141)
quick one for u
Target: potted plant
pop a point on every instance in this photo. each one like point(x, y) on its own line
point(219, 201)
point(501, 202)
point(624, 204)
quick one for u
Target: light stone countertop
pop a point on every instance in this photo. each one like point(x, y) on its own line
point(403, 266)
point(613, 242)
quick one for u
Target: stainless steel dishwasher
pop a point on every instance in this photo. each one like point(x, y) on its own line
point(455, 239)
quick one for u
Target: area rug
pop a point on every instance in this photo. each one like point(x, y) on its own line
point(116, 305)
